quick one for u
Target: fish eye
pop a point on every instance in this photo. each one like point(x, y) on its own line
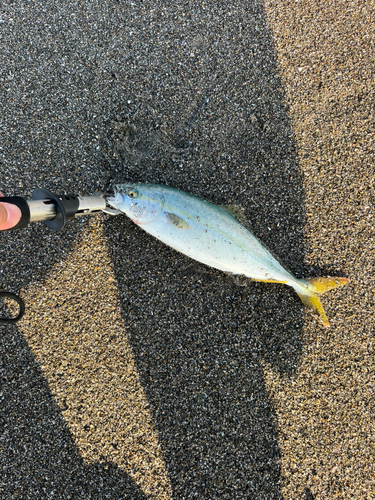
point(132, 194)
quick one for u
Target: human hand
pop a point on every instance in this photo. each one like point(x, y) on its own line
point(9, 215)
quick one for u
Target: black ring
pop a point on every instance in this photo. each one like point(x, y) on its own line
point(19, 301)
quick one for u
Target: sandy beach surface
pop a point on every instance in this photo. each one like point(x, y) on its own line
point(137, 373)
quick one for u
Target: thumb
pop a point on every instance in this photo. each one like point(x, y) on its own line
point(9, 215)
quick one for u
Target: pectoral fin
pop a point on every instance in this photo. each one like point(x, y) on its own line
point(176, 221)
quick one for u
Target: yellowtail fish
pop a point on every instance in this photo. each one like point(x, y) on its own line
point(211, 235)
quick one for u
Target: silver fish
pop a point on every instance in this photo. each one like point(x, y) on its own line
point(211, 235)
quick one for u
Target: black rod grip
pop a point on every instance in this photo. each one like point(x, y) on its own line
point(21, 203)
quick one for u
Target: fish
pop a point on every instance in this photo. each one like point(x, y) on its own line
point(213, 236)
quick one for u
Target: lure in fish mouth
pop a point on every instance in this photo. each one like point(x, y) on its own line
point(213, 236)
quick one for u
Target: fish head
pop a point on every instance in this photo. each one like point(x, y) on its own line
point(140, 202)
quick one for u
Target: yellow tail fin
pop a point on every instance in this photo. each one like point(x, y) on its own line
point(316, 286)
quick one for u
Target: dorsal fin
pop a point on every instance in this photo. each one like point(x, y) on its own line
point(238, 213)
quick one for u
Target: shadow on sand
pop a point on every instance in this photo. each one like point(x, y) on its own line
point(220, 131)
point(200, 341)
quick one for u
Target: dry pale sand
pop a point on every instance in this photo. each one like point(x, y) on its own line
point(137, 373)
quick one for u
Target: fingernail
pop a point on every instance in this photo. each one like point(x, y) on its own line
point(13, 215)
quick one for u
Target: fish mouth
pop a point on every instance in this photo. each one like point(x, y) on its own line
point(115, 201)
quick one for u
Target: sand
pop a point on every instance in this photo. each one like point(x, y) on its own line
point(136, 372)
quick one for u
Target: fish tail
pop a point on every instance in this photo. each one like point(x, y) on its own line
point(309, 290)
